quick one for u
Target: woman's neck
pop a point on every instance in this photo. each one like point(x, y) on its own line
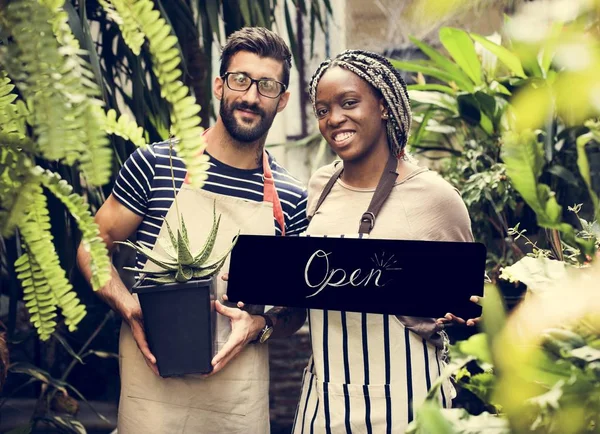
point(366, 172)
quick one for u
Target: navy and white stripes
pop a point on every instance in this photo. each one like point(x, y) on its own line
point(145, 186)
point(367, 374)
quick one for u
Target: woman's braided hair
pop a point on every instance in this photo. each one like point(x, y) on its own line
point(379, 73)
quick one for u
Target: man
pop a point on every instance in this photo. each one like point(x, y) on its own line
point(251, 87)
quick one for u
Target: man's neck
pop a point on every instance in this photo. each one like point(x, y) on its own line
point(226, 149)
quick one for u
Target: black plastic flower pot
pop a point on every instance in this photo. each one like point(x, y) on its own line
point(179, 321)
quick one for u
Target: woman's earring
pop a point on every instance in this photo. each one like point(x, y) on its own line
point(384, 115)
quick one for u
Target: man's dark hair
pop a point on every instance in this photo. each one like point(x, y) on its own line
point(260, 41)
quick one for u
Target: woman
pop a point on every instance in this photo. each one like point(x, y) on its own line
point(369, 371)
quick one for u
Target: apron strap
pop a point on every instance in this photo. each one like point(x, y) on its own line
point(382, 191)
point(269, 190)
point(328, 188)
point(270, 193)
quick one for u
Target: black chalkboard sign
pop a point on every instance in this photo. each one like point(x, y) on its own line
point(412, 278)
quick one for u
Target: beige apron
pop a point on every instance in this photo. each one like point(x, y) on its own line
point(235, 400)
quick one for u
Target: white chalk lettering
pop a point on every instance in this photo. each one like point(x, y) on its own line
point(338, 277)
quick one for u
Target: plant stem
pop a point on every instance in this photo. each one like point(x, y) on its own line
point(87, 343)
point(173, 181)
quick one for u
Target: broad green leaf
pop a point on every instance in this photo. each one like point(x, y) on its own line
point(476, 346)
point(494, 313)
point(437, 99)
point(531, 107)
point(431, 420)
point(535, 272)
point(524, 160)
point(461, 48)
point(584, 170)
point(432, 87)
point(511, 60)
point(432, 72)
point(441, 60)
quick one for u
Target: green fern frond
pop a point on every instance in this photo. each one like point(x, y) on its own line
point(11, 119)
point(55, 79)
point(124, 127)
point(39, 76)
point(90, 235)
point(16, 182)
point(123, 17)
point(36, 236)
point(96, 161)
point(89, 115)
point(37, 295)
point(140, 16)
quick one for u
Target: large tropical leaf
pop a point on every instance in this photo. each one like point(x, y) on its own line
point(510, 59)
point(461, 48)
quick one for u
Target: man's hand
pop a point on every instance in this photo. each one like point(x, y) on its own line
point(450, 319)
point(244, 329)
point(136, 324)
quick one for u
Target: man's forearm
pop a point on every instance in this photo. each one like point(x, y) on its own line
point(114, 293)
point(286, 320)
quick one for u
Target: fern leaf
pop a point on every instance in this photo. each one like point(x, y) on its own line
point(124, 127)
point(141, 20)
point(130, 29)
point(11, 118)
point(59, 83)
point(37, 239)
point(40, 301)
point(90, 239)
point(38, 75)
point(16, 183)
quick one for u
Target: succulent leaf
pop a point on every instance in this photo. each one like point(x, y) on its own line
point(170, 250)
point(151, 255)
point(184, 257)
point(167, 278)
point(184, 234)
point(204, 254)
point(184, 273)
point(221, 258)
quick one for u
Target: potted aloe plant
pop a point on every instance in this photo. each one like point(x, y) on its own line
point(177, 292)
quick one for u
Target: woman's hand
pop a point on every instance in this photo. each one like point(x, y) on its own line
point(450, 319)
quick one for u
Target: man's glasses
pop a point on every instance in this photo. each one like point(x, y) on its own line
point(240, 82)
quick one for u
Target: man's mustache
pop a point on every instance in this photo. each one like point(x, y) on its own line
point(249, 107)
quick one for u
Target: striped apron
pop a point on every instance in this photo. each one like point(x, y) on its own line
point(368, 372)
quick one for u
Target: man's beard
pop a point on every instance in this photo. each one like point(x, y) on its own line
point(238, 130)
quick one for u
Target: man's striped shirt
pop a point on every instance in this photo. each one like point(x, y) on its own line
point(144, 186)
